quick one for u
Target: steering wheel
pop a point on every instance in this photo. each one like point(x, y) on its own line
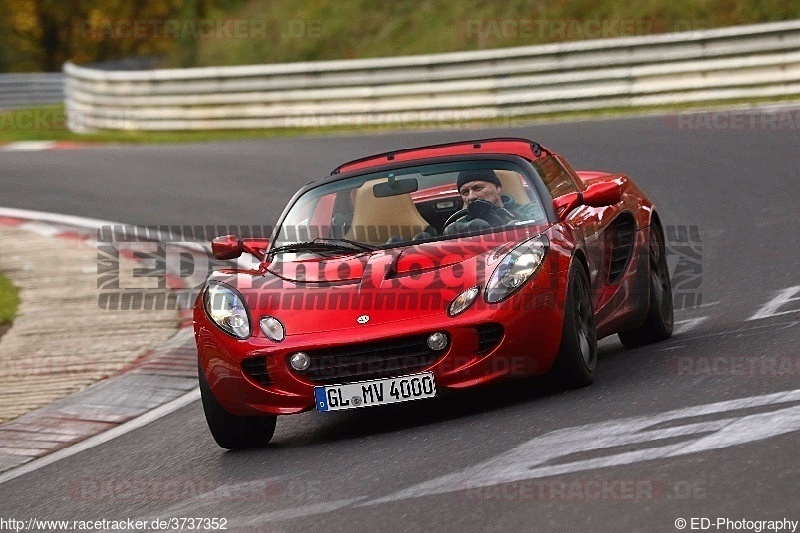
point(455, 216)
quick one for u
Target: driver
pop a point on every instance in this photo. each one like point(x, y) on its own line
point(485, 204)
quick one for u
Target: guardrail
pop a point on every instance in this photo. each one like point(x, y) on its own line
point(731, 63)
point(31, 89)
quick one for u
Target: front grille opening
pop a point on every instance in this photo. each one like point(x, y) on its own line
point(255, 368)
point(489, 336)
point(370, 360)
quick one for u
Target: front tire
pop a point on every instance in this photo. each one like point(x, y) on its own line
point(231, 431)
point(659, 321)
point(577, 355)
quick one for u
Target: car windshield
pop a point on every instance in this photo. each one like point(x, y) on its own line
point(413, 204)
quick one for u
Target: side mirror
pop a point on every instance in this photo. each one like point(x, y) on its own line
point(227, 247)
point(566, 203)
point(602, 194)
point(231, 247)
point(256, 247)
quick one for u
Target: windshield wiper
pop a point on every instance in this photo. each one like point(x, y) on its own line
point(324, 245)
point(352, 244)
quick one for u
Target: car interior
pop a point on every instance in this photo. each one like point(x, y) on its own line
point(378, 216)
point(400, 218)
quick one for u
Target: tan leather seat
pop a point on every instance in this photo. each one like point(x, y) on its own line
point(376, 220)
point(512, 186)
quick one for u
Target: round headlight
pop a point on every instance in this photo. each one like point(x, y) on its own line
point(272, 328)
point(517, 267)
point(226, 308)
point(462, 302)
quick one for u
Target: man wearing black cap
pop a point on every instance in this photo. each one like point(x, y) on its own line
point(479, 183)
point(481, 191)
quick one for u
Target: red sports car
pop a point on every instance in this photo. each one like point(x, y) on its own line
point(419, 270)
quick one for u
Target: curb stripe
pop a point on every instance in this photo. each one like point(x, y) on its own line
point(150, 388)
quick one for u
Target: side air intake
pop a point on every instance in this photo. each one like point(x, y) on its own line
point(621, 235)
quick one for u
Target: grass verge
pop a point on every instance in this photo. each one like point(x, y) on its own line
point(9, 301)
point(48, 123)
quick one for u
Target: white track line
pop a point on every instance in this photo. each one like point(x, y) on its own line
point(104, 437)
point(28, 146)
point(83, 222)
point(56, 218)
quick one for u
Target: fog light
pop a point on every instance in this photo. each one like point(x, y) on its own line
point(437, 341)
point(300, 361)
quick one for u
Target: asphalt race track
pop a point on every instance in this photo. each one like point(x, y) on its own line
point(705, 425)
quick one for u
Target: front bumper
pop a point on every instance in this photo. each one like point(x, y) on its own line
point(531, 323)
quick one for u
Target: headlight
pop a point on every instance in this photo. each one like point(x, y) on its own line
point(516, 268)
point(226, 308)
point(462, 302)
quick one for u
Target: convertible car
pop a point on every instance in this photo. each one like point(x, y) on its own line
point(408, 273)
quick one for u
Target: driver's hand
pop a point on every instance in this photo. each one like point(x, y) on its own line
point(480, 208)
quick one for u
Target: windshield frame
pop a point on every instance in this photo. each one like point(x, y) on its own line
point(529, 173)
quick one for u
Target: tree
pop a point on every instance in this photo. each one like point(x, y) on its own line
point(40, 35)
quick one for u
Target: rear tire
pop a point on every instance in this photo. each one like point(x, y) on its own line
point(659, 321)
point(231, 431)
point(577, 355)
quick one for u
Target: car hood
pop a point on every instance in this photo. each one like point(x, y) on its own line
point(374, 288)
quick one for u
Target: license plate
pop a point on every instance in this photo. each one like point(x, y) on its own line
point(375, 392)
